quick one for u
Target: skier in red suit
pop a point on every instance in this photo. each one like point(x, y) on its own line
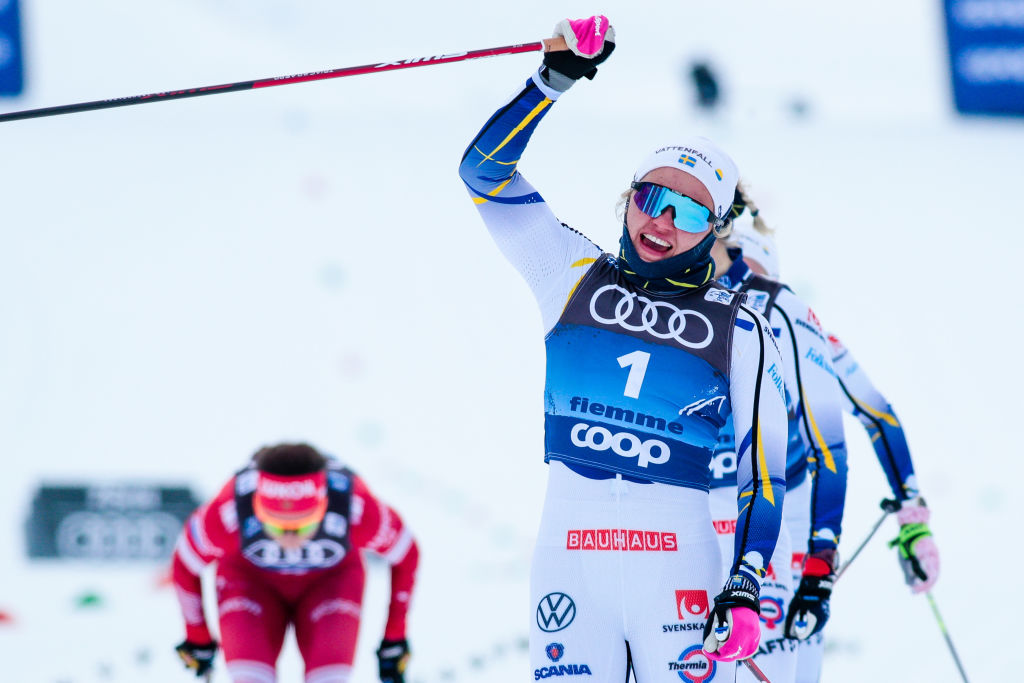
point(287, 533)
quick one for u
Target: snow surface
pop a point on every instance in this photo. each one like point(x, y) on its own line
point(183, 282)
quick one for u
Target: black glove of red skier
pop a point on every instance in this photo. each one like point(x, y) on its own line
point(197, 656)
point(392, 657)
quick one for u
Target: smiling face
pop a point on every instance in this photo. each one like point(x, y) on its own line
point(656, 239)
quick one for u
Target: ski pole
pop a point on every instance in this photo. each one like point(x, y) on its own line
point(755, 669)
point(888, 507)
point(945, 634)
point(546, 45)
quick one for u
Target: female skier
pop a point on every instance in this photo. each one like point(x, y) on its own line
point(918, 554)
point(287, 534)
point(815, 467)
point(646, 360)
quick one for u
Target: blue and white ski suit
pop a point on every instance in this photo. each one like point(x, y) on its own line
point(816, 445)
point(638, 386)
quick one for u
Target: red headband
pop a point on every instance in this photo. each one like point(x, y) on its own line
point(290, 502)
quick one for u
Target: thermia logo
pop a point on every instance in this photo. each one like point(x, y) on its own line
point(693, 665)
point(621, 539)
point(772, 612)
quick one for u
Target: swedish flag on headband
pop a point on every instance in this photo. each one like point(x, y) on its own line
point(688, 160)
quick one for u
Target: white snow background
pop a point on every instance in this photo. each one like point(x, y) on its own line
point(183, 282)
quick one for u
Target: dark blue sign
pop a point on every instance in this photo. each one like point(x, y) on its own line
point(986, 53)
point(11, 79)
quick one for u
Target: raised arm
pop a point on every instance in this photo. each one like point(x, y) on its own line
point(550, 256)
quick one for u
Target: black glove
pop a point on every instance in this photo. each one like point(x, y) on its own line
point(809, 608)
point(392, 656)
point(197, 657)
point(572, 63)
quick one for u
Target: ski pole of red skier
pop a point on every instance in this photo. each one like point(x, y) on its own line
point(546, 45)
point(945, 634)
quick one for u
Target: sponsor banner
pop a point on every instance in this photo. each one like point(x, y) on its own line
point(618, 449)
point(986, 55)
point(11, 67)
point(107, 521)
point(621, 539)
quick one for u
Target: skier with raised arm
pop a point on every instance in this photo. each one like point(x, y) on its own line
point(646, 360)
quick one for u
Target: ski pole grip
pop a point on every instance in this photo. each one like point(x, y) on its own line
point(554, 44)
point(889, 505)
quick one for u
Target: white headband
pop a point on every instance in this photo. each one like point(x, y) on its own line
point(757, 246)
point(702, 159)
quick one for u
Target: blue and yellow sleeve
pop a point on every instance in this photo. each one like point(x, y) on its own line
point(489, 164)
point(759, 415)
point(875, 413)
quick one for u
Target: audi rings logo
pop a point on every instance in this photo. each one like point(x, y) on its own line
point(96, 535)
point(555, 611)
point(317, 554)
point(649, 452)
point(660, 319)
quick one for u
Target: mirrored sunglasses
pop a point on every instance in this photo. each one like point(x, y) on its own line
point(689, 216)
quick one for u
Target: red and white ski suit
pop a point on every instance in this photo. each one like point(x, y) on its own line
point(318, 593)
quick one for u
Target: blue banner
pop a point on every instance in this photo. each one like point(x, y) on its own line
point(986, 53)
point(11, 73)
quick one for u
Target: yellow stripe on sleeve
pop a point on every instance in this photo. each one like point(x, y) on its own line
point(541, 106)
point(830, 462)
point(492, 193)
point(582, 262)
point(762, 465)
point(887, 417)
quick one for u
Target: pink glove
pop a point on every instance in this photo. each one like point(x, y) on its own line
point(585, 37)
point(918, 554)
point(737, 638)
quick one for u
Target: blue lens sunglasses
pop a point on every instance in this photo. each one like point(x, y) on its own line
point(689, 216)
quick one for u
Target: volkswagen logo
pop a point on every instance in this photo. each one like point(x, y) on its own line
point(659, 319)
point(555, 611)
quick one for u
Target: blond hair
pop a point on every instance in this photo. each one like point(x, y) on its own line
point(755, 213)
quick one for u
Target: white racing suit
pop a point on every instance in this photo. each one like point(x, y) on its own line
point(638, 386)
